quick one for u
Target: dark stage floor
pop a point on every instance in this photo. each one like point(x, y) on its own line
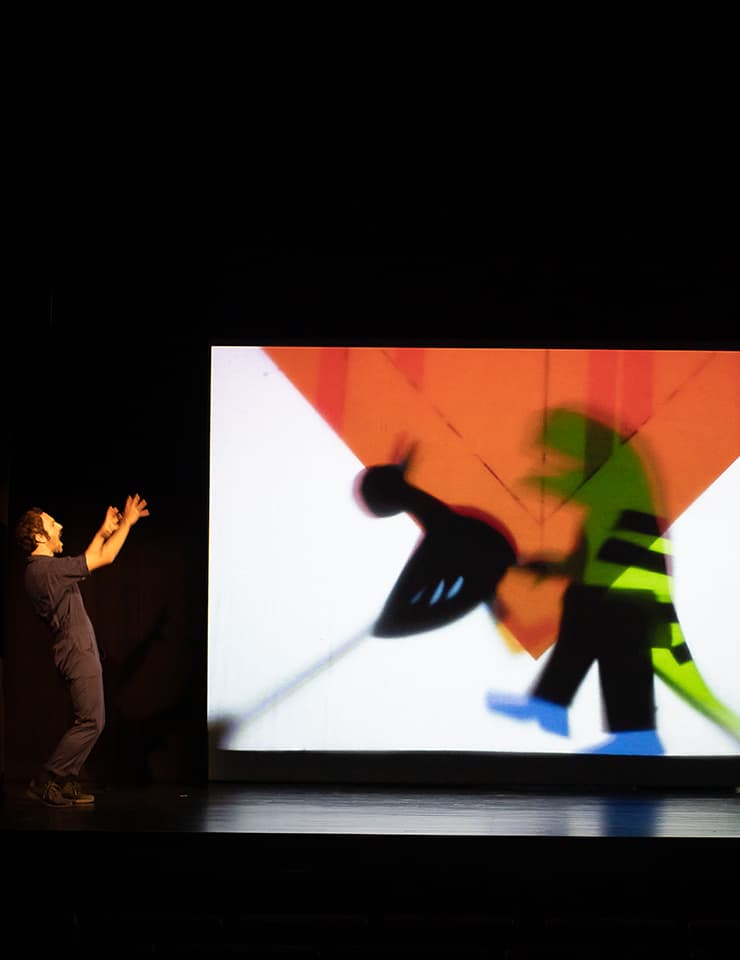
point(345, 871)
point(329, 811)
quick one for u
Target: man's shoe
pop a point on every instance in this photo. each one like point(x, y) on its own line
point(72, 791)
point(49, 793)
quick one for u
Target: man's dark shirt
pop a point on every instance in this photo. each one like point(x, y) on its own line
point(52, 583)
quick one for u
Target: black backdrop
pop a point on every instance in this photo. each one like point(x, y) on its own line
point(107, 386)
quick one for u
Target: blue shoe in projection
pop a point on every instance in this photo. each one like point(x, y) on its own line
point(644, 743)
point(551, 716)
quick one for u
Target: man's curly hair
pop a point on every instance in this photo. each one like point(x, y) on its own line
point(28, 528)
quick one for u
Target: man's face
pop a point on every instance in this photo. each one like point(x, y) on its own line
point(53, 532)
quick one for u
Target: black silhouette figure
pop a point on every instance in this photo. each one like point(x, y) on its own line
point(456, 565)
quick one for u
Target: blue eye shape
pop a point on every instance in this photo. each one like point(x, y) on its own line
point(455, 588)
point(437, 593)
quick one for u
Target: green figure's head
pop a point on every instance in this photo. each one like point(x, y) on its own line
point(574, 447)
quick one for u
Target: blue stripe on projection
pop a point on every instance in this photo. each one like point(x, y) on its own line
point(455, 588)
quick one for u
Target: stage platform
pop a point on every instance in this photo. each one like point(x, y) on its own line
point(344, 871)
point(280, 810)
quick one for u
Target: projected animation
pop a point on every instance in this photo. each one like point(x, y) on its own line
point(484, 550)
point(457, 565)
point(617, 610)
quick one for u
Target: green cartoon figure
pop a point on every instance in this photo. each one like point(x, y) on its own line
point(617, 609)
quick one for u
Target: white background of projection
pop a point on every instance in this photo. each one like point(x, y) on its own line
point(298, 573)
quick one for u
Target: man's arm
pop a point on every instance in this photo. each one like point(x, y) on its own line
point(107, 542)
